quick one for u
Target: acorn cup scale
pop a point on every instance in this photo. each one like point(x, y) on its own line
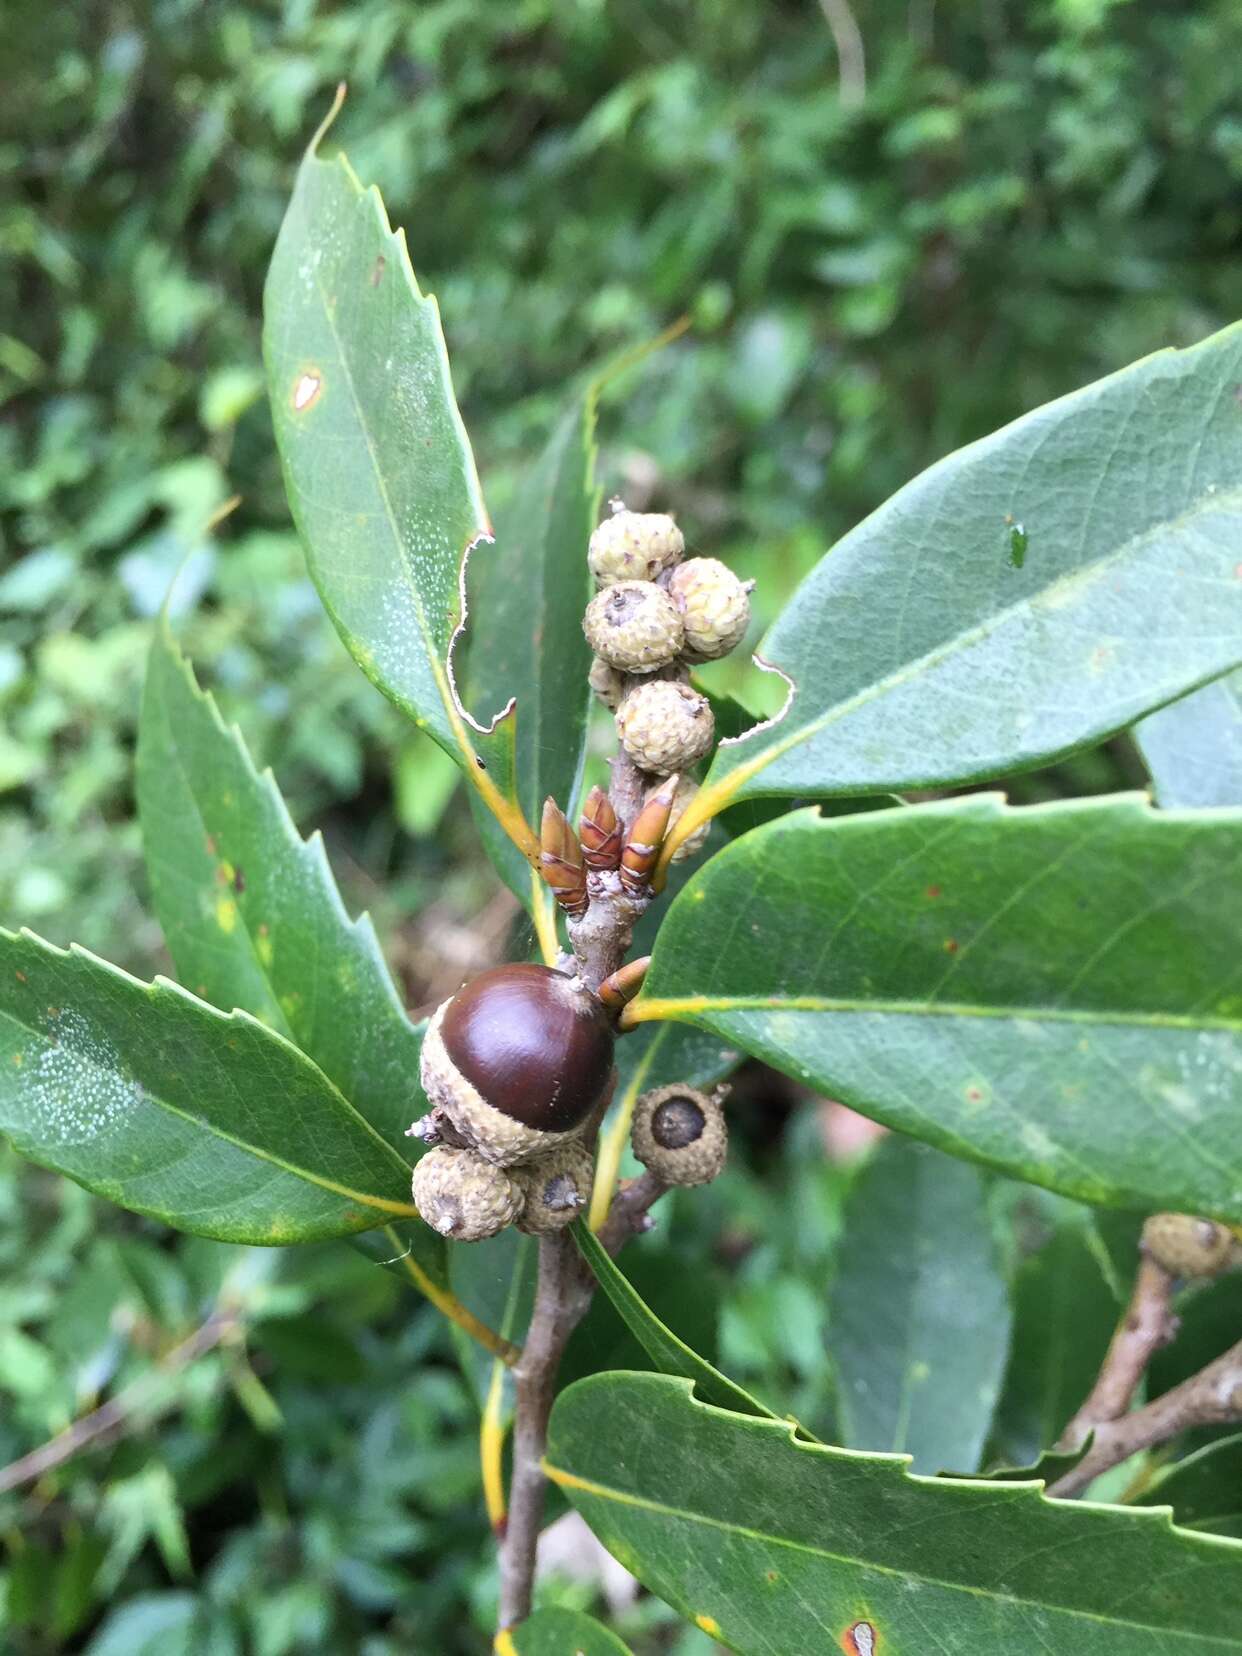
point(518, 1062)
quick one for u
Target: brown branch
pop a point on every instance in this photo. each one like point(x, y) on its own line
point(1148, 1324)
point(1213, 1397)
point(562, 1299)
point(118, 1412)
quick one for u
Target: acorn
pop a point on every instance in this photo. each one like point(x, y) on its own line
point(607, 683)
point(665, 726)
point(1186, 1246)
point(680, 1134)
point(555, 1189)
point(714, 606)
point(634, 626)
point(518, 1061)
point(634, 546)
point(464, 1197)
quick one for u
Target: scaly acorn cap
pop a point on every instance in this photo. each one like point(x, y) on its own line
point(555, 1189)
point(464, 1197)
point(714, 606)
point(633, 546)
point(634, 626)
point(665, 726)
point(680, 1134)
point(1186, 1246)
point(518, 1060)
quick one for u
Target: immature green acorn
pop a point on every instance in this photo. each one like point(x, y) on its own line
point(665, 726)
point(555, 1189)
point(714, 606)
point(518, 1061)
point(634, 626)
point(464, 1197)
point(1186, 1246)
point(634, 546)
point(680, 1134)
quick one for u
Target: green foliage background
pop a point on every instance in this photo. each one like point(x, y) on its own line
point(1028, 197)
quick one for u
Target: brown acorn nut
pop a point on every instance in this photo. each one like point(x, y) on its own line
point(634, 546)
point(634, 626)
point(714, 606)
point(518, 1060)
point(464, 1197)
point(1186, 1246)
point(680, 1134)
point(555, 1189)
point(665, 726)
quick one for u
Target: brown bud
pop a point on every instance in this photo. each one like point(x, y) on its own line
point(621, 986)
point(561, 861)
point(645, 838)
point(600, 832)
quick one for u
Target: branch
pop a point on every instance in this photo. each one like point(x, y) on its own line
point(851, 60)
point(1213, 1397)
point(562, 1298)
point(118, 1412)
point(1148, 1324)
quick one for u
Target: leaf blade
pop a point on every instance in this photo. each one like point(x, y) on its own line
point(1193, 747)
point(914, 964)
point(771, 1544)
point(165, 1105)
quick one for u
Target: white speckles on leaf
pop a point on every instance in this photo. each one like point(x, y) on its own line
point(79, 1085)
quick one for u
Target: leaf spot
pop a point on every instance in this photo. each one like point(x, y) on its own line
point(860, 1640)
point(933, 891)
point(20, 976)
point(239, 882)
point(377, 269)
point(306, 387)
point(709, 1625)
point(226, 914)
point(950, 945)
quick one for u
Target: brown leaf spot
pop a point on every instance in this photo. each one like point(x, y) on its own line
point(239, 881)
point(211, 845)
point(950, 945)
point(306, 388)
point(860, 1640)
point(20, 976)
point(933, 891)
point(377, 269)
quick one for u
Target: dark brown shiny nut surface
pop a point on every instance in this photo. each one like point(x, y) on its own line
point(536, 1047)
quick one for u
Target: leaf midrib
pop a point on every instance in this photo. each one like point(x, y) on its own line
point(571, 1481)
point(688, 1008)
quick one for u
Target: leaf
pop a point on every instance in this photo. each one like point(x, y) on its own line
point(919, 1312)
point(1054, 991)
point(1193, 747)
point(1204, 1490)
point(669, 1354)
point(772, 1545)
point(526, 637)
point(919, 653)
point(1064, 1313)
point(377, 465)
point(208, 1121)
point(559, 1633)
point(250, 911)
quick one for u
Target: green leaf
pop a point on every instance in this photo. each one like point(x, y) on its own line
point(560, 1633)
point(921, 654)
point(667, 1352)
point(774, 1545)
point(919, 1312)
point(160, 1102)
point(378, 468)
point(1193, 747)
point(526, 639)
point(1204, 1490)
point(250, 911)
point(1064, 1313)
point(1054, 990)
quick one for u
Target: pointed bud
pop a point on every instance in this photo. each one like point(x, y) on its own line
point(623, 984)
point(601, 834)
point(646, 836)
point(561, 862)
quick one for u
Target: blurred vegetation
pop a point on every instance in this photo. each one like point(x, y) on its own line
point(1026, 197)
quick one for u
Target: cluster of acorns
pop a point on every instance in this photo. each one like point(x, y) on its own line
point(654, 617)
point(518, 1069)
